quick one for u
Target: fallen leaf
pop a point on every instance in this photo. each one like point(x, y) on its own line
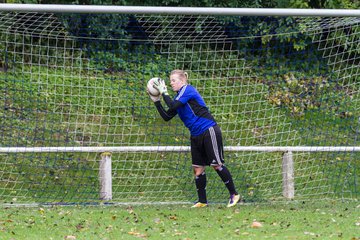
point(70, 237)
point(79, 226)
point(256, 225)
point(130, 209)
point(137, 234)
point(42, 211)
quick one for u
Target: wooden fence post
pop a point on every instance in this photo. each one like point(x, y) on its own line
point(105, 176)
point(288, 175)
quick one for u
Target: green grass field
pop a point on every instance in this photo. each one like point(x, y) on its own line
point(309, 220)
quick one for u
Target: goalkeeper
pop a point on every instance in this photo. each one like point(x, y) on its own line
point(206, 138)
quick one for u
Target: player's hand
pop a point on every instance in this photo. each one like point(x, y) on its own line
point(160, 85)
point(154, 98)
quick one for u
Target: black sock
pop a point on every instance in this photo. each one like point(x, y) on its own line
point(225, 176)
point(200, 182)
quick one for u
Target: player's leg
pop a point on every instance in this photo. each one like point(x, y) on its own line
point(226, 177)
point(200, 183)
point(199, 171)
point(215, 154)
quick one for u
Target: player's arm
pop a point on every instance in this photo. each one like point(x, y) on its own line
point(172, 104)
point(165, 114)
point(160, 85)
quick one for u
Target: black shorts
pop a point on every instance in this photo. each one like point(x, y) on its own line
point(207, 148)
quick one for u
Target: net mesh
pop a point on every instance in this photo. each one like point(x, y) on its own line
point(79, 80)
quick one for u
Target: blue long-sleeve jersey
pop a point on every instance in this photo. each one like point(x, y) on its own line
point(190, 107)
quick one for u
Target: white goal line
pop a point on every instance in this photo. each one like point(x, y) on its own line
point(178, 149)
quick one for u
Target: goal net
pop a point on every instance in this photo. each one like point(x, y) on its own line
point(78, 80)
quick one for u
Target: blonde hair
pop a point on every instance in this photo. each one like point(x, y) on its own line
point(182, 74)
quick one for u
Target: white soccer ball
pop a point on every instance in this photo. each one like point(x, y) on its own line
point(150, 87)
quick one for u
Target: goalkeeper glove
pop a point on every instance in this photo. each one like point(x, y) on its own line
point(160, 85)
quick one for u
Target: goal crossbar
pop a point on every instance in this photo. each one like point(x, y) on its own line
point(61, 8)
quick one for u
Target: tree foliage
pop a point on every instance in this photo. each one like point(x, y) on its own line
point(332, 4)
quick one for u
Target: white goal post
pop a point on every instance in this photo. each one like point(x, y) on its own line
point(68, 96)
